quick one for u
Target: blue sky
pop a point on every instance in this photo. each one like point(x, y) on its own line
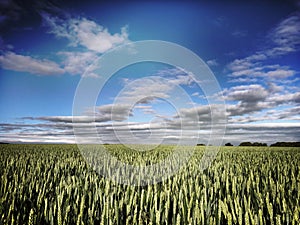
point(252, 47)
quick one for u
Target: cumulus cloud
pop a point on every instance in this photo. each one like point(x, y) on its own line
point(116, 112)
point(80, 32)
point(278, 99)
point(245, 99)
point(203, 114)
point(76, 63)
point(86, 33)
point(246, 93)
point(21, 63)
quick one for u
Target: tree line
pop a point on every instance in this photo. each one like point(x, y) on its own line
point(277, 144)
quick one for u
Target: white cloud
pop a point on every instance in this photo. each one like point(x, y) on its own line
point(212, 62)
point(246, 69)
point(243, 80)
point(202, 113)
point(80, 32)
point(177, 76)
point(287, 33)
point(280, 73)
point(86, 33)
point(279, 99)
point(21, 63)
point(254, 98)
point(115, 112)
point(104, 113)
point(284, 39)
point(236, 132)
point(145, 90)
point(76, 63)
point(246, 93)
point(273, 88)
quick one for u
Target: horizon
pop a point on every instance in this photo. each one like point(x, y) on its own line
point(250, 49)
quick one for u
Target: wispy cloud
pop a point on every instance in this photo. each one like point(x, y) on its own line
point(239, 33)
point(249, 68)
point(212, 62)
point(170, 132)
point(286, 35)
point(261, 100)
point(283, 39)
point(21, 63)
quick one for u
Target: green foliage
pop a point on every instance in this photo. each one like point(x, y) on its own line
point(257, 144)
point(228, 144)
point(52, 184)
point(286, 144)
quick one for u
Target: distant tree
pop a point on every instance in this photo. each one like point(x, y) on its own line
point(247, 143)
point(286, 144)
point(228, 144)
point(259, 144)
point(200, 144)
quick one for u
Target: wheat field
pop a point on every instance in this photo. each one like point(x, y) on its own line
point(53, 184)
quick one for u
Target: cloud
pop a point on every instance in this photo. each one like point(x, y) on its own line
point(116, 112)
point(283, 39)
point(280, 73)
point(245, 70)
point(287, 34)
point(212, 62)
point(104, 113)
point(76, 63)
point(246, 93)
point(243, 80)
point(276, 114)
point(170, 132)
point(249, 98)
point(262, 132)
point(177, 76)
point(21, 63)
point(202, 114)
point(279, 99)
point(239, 33)
point(146, 90)
point(86, 33)
point(250, 67)
point(80, 32)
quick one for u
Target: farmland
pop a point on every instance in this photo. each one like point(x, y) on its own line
point(53, 184)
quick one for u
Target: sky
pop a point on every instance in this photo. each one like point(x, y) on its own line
point(49, 48)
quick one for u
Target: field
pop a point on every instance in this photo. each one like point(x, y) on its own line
point(52, 184)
